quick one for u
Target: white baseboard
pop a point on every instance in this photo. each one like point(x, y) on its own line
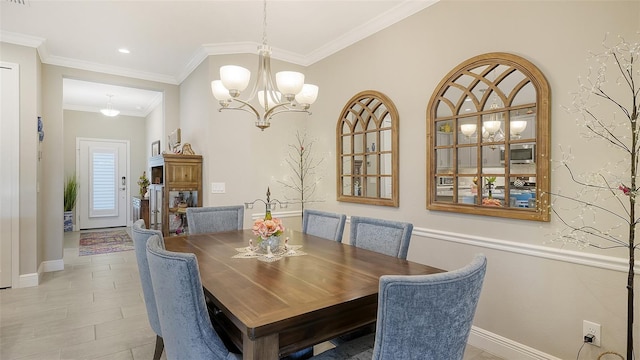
point(503, 347)
point(28, 280)
point(51, 265)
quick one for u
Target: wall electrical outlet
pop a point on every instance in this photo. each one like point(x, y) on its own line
point(592, 328)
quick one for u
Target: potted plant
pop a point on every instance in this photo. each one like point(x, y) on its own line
point(144, 183)
point(70, 196)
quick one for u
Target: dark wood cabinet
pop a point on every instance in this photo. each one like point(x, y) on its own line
point(176, 183)
point(140, 210)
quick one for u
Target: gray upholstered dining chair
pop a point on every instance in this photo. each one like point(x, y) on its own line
point(426, 317)
point(185, 322)
point(140, 237)
point(383, 236)
point(215, 219)
point(323, 224)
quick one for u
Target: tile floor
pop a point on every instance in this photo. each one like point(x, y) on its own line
point(93, 309)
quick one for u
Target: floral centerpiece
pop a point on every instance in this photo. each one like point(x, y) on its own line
point(268, 231)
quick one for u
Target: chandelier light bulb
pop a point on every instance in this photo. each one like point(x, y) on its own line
point(468, 129)
point(273, 98)
point(219, 91)
point(235, 78)
point(307, 95)
point(492, 126)
point(289, 83)
point(109, 110)
point(517, 127)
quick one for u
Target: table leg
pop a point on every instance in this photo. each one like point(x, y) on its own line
point(263, 348)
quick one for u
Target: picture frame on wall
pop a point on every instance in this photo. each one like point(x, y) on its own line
point(155, 148)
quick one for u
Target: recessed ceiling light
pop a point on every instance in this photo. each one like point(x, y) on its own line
point(124, 51)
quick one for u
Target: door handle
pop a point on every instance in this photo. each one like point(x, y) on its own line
point(124, 183)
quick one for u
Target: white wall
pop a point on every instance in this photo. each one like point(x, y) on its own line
point(536, 294)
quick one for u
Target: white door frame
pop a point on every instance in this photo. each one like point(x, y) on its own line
point(11, 143)
point(128, 177)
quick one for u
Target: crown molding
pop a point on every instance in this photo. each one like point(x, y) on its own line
point(380, 22)
point(21, 39)
point(41, 45)
point(108, 69)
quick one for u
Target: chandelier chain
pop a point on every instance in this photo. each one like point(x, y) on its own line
point(264, 23)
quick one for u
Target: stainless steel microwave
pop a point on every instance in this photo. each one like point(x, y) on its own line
point(520, 154)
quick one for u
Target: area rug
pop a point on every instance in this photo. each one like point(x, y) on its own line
point(104, 242)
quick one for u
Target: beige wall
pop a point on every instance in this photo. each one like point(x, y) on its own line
point(30, 105)
point(536, 294)
point(154, 131)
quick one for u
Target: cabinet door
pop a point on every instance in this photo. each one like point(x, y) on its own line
point(185, 176)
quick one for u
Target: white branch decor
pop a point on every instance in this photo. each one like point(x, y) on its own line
point(602, 212)
point(304, 167)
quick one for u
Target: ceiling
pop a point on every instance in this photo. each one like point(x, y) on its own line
point(169, 39)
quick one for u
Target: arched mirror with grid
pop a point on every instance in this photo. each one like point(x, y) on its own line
point(367, 150)
point(488, 139)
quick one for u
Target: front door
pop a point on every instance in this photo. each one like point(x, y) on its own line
point(103, 167)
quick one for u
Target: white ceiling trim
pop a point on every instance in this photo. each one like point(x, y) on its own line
point(46, 58)
point(21, 39)
point(380, 22)
point(108, 69)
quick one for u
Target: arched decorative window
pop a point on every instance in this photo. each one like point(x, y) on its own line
point(367, 150)
point(488, 139)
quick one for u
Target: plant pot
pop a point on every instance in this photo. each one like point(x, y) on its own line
point(68, 221)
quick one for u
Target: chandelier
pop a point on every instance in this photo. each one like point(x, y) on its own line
point(289, 94)
point(109, 110)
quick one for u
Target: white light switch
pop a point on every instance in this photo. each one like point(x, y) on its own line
point(217, 188)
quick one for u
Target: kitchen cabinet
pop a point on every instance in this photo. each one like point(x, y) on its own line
point(176, 184)
point(444, 155)
point(467, 156)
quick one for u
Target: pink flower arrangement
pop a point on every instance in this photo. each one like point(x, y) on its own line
point(266, 228)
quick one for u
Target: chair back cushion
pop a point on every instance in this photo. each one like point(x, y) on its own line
point(215, 219)
point(323, 224)
point(140, 236)
point(428, 316)
point(186, 327)
point(383, 236)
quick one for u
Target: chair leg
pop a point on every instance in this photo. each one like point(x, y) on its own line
point(159, 348)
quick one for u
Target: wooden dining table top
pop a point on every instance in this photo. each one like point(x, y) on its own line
point(301, 300)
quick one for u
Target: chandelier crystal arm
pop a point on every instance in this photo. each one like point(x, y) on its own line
point(272, 111)
point(245, 106)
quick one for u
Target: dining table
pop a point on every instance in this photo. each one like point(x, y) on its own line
point(270, 309)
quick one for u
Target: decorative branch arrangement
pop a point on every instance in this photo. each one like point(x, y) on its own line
point(602, 213)
point(305, 168)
